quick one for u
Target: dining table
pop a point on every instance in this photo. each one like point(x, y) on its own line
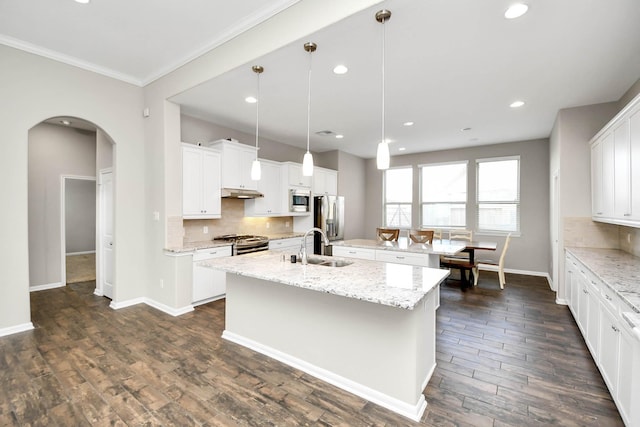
point(471, 247)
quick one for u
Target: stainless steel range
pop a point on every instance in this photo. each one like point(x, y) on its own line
point(244, 244)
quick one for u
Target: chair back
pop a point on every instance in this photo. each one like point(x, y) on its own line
point(461, 235)
point(388, 234)
point(421, 236)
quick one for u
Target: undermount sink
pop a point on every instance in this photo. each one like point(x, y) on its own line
point(328, 262)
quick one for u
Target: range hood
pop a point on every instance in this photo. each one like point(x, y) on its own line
point(236, 193)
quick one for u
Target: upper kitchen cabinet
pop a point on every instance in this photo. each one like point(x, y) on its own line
point(200, 183)
point(236, 164)
point(292, 174)
point(325, 181)
point(270, 185)
point(615, 166)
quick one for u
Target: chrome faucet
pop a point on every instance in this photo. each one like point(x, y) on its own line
point(303, 244)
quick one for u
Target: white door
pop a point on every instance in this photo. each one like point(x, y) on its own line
point(106, 233)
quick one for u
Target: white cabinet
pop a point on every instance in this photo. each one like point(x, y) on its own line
point(292, 175)
point(350, 252)
point(609, 337)
point(200, 183)
point(236, 164)
point(291, 245)
point(270, 185)
point(208, 284)
point(615, 168)
point(325, 181)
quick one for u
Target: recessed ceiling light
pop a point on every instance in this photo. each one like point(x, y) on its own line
point(516, 104)
point(401, 148)
point(65, 122)
point(338, 136)
point(516, 11)
point(83, 1)
point(251, 99)
point(407, 124)
point(465, 129)
point(340, 69)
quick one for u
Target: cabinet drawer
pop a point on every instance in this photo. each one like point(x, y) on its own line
point(609, 298)
point(401, 258)
point(282, 244)
point(360, 253)
point(218, 252)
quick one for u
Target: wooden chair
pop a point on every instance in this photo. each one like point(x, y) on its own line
point(500, 265)
point(437, 233)
point(421, 236)
point(464, 265)
point(388, 234)
point(461, 235)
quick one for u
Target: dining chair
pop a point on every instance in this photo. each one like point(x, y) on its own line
point(388, 234)
point(437, 233)
point(421, 236)
point(500, 264)
point(461, 235)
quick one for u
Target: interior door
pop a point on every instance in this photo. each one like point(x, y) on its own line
point(106, 233)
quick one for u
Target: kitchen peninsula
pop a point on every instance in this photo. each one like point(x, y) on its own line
point(367, 327)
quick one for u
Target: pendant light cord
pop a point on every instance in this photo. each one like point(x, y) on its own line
point(309, 104)
point(383, 78)
point(258, 114)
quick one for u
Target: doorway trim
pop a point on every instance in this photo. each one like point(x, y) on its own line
point(99, 291)
point(63, 231)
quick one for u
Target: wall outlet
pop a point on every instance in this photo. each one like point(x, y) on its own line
point(156, 216)
point(286, 224)
point(628, 237)
point(205, 229)
point(268, 225)
point(161, 283)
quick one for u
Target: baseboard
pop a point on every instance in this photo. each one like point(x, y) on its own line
point(487, 267)
point(80, 253)
point(16, 329)
point(562, 301)
point(175, 312)
point(152, 303)
point(46, 286)
point(413, 412)
point(98, 292)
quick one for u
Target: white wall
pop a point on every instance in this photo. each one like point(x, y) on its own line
point(53, 151)
point(528, 252)
point(35, 89)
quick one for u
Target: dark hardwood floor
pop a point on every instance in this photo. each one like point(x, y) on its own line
point(505, 358)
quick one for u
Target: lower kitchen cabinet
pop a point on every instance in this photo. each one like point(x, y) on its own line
point(349, 252)
point(208, 284)
point(597, 310)
point(402, 258)
point(291, 245)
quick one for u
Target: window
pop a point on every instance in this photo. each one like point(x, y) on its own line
point(444, 195)
point(498, 198)
point(398, 195)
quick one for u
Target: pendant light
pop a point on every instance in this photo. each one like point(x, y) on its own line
point(307, 160)
point(382, 155)
point(255, 165)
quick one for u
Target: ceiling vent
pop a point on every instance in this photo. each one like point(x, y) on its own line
point(325, 133)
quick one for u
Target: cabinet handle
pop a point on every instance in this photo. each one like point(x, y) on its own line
point(608, 297)
point(627, 214)
point(615, 329)
point(399, 257)
point(598, 213)
point(584, 291)
point(352, 252)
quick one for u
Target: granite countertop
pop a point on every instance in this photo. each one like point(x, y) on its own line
point(405, 245)
point(279, 236)
point(195, 246)
point(619, 270)
point(396, 285)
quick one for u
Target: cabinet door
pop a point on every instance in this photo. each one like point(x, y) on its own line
point(608, 168)
point(211, 202)
point(593, 321)
point(568, 285)
point(634, 143)
point(583, 305)
point(622, 158)
point(191, 181)
point(609, 350)
point(627, 368)
point(270, 186)
point(247, 156)
point(296, 178)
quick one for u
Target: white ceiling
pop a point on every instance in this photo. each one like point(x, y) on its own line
point(450, 64)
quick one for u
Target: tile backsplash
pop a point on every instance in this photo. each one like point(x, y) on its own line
point(234, 221)
point(585, 233)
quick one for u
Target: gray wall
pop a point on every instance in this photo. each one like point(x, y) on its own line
point(80, 215)
point(53, 151)
point(530, 251)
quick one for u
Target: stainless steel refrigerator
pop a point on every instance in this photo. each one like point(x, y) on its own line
point(328, 215)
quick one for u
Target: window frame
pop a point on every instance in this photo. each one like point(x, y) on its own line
point(384, 198)
point(465, 203)
point(518, 204)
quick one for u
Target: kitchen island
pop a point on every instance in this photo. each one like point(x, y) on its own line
point(368, 327)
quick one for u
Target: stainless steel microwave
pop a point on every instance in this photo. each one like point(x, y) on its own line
point(299, 200)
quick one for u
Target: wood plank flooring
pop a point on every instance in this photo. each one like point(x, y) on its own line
point(505, 358)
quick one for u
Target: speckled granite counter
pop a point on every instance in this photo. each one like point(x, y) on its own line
point(280, 236)
point(403, 244)
point(191, 247)
point(619, 270)
point(395, 285)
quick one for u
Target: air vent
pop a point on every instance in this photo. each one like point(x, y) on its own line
point(325, 133)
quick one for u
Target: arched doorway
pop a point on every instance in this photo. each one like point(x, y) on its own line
point(64, 150)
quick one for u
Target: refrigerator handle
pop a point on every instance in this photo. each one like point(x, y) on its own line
point(336, 220)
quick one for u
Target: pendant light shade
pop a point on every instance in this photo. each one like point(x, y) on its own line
point(256, 172)
point(382, 154)
point(307, 160)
